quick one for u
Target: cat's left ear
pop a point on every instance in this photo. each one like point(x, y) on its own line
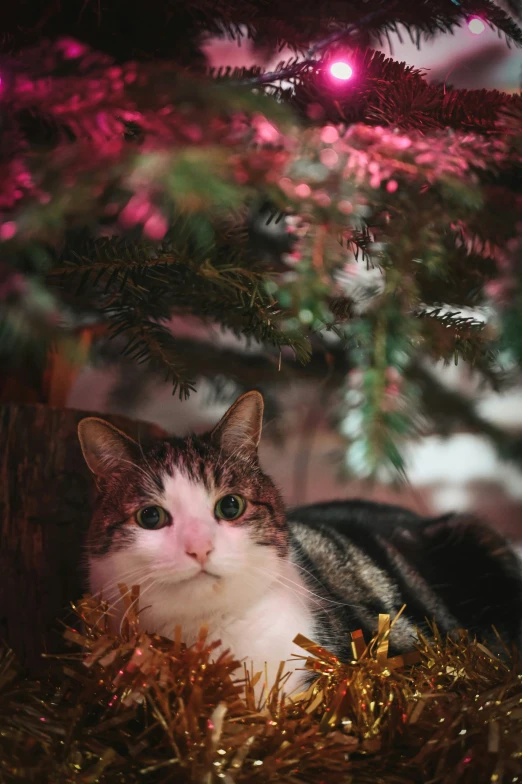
point(240, 428)
point(105, 447)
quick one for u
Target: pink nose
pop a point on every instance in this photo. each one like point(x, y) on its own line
point(199, 552)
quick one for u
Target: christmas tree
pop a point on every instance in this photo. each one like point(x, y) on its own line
point(139, 184)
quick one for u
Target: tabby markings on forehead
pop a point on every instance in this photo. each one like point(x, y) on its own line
point(144, 478)
point(194, 461)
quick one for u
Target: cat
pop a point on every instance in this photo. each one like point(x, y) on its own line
point(204, 531)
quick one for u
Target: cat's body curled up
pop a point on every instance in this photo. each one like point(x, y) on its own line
point(206, 534)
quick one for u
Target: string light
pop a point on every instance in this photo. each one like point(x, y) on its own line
point(341, 70)
point(476, 25)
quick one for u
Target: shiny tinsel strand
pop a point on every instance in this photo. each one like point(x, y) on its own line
point(137, 707)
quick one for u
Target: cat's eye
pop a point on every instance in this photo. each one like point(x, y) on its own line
point(152, 517)
point(230, 507)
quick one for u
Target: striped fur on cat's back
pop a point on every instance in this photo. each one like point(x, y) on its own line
point(204, 531)
point(366, 558)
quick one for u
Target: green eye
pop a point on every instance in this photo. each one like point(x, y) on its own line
point(152, 517)
point(230, 507)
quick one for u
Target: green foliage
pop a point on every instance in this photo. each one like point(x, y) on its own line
point(129, 191)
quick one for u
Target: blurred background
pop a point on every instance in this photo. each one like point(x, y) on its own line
point(303, 447)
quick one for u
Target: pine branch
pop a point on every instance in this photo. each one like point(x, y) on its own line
point(147, 150)
point(151, 343)
point(450, 337)
point(297, 23)
point(377, 20)
point(173, 29)
point(342, 308)
point(462, 281)
point(514, 7)
point(108, 265)
point(208, 359)
point(390, 93)
point(132, 283)
point(298, 67)
point(465, 326)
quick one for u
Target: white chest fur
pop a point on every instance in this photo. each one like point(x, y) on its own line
point(263, 637)
point(258, 629)
point(260, 634)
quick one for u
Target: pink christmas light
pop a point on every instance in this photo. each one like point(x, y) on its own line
point(341, 70)
point(155, 228)
point(72, 49)
point(8, 230)
point(303, 191)
point(476, 25)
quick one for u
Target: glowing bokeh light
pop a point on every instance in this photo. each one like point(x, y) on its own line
point(341, 70)
point(476, 25)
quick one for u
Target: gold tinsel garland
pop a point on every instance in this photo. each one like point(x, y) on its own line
point(141, 708)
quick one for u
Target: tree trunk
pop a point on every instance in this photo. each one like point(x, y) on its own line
point(45, 493)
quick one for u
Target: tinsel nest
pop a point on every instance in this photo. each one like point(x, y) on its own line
point(141, 708)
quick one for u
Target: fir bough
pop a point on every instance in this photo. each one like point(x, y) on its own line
point(132, 180)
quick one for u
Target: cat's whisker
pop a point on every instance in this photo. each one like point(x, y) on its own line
point(315, 580)
point(110, 606)
point(111, 598)
point(308, 572)
point(131, 574)
point(241, 453)
point(274, 578)
point(114, 598)
point(129, 580)
point(308, 591)
point(144, 458)
point(111, 588)
point(116, 593)
point(295, 588)
point(149, 477)
point(122, 576)
point(133, 603)
point(127, 593)
point(298, 595)
point(304, 589)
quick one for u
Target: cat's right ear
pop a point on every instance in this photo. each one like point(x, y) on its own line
point(104, 447)
point(240, 428)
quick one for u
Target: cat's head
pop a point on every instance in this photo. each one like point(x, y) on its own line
point(194, 516)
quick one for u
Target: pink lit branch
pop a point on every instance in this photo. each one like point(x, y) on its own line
point(310, 60)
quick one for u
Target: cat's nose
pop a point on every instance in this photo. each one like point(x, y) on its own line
point(200, 553)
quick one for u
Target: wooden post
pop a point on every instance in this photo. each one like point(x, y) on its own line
point(45, 492)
